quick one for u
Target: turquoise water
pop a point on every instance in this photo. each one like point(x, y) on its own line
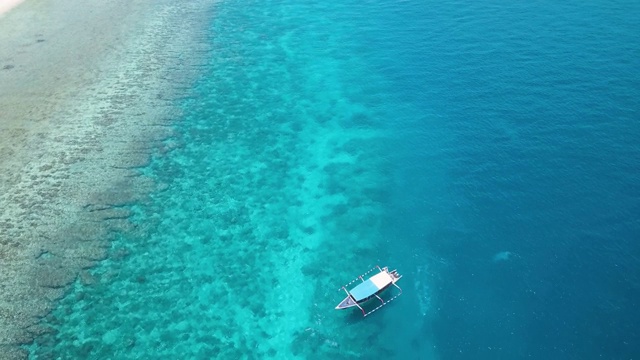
point(486, 150)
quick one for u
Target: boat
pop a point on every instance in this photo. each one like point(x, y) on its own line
point(370, 288)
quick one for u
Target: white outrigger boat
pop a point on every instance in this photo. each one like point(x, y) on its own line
point(370, 288)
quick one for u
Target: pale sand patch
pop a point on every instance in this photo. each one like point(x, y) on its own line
point(84, 98)
point(6, 5)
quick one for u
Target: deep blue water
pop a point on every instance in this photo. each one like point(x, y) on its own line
point(488, 150)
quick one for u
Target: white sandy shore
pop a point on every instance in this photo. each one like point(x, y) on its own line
point(84, 89)
point(6, 5)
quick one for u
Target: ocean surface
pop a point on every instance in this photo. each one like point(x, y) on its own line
point(488, 150)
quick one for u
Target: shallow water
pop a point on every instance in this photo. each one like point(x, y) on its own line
point(487, 151)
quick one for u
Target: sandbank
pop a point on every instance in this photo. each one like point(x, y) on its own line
point(85, 93)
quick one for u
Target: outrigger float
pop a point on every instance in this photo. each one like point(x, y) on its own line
point(370, 288)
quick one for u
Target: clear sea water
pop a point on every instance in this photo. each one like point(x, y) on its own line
point(488, 150)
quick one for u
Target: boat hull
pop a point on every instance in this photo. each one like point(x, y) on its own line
point(370, 288)
point(346, 303)
point(349, 302)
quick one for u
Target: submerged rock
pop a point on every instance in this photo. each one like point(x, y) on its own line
point(503, 256)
